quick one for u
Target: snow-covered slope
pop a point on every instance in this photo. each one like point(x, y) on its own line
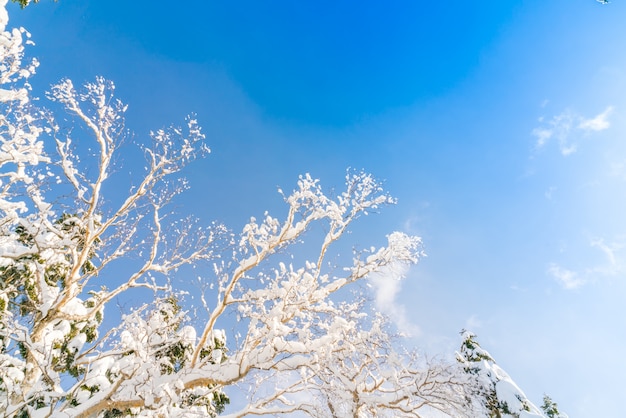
point(499, 394)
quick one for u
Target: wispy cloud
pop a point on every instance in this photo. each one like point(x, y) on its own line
point(611, 265)
point(599, 123)
point(558, 128)
point(566, 128)
point(617, 169)
point(568, 279)
point(387, 286)
point(550, 192)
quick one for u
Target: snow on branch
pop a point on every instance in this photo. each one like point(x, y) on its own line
point(68, 252)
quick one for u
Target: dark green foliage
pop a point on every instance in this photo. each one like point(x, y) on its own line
point(550, 407)
point(471, 352)
point(36, 404)
point(22, 349)
point(473, 357)
point(220, 400)
point(475, 353)
point(22, 284)
point(18, 279)
point(116, 413)
point(174, 357)
point(208, 351)
point(24, 3)
point(70, 225)
point(65, 361)
point(496, 407)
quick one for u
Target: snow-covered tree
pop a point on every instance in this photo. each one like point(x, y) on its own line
point(493, 389)
point(367, 377)
point(24, 3)
point(550, 408)
point(67, 254)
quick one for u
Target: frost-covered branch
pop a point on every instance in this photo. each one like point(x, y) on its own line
point(72, 244)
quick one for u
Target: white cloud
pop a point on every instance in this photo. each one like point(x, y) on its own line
point(387, 286)
point(617, 169)
point(566, 278)
point(543, 135)
point(611, 266)
point(599, 123)
point(566, 128)
point(550, 192)
point(559, 127)
point(609, 251)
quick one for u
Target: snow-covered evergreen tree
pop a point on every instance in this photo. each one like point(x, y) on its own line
point(551, 409)
point(67, 253)
point(494, 390)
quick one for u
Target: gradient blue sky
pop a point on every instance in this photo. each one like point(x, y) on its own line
point(500, 127)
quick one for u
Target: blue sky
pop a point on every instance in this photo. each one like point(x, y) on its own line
point(499, 126)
